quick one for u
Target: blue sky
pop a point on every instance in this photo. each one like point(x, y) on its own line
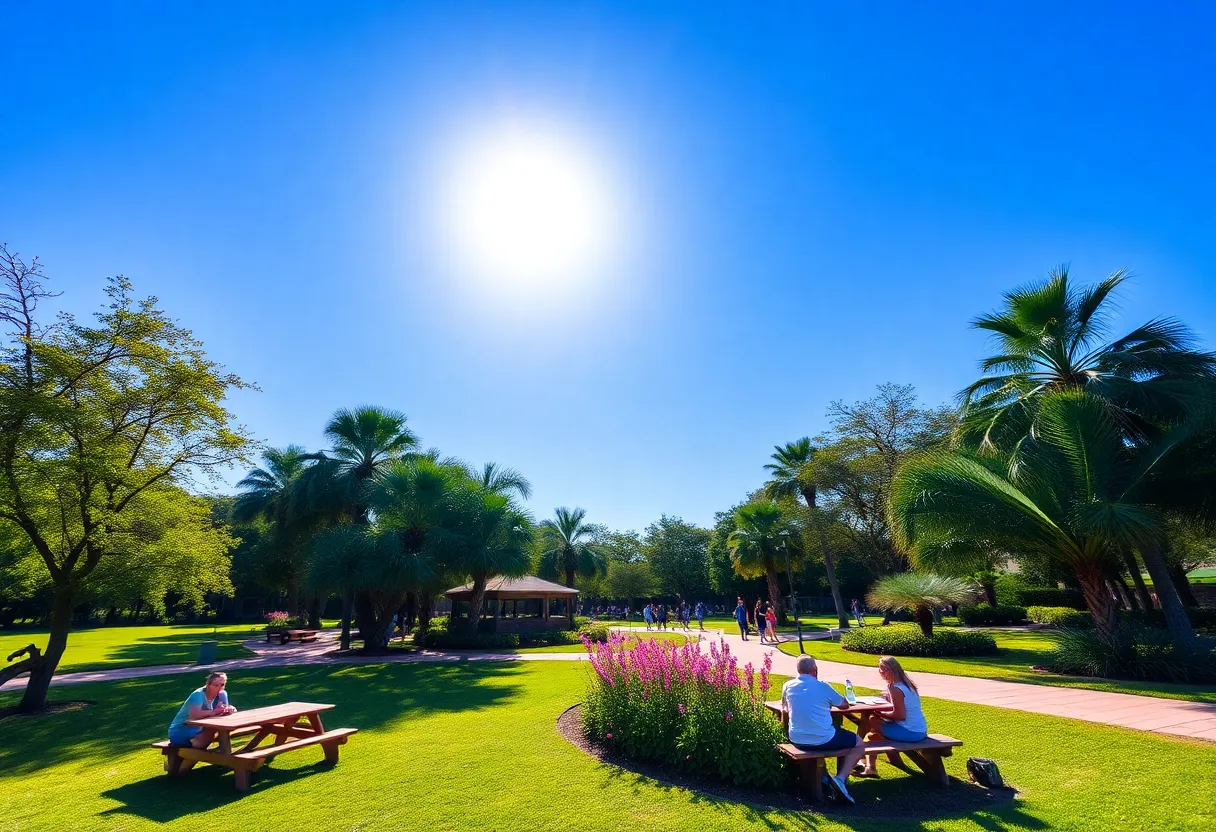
point(819, 197)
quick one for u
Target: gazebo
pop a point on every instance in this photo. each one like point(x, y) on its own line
point(518, 605)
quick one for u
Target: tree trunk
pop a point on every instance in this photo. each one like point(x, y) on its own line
point(367, 622)
point(426, 605)
point(990, 594)
point(924, 617)
point(1119, 586)
point(1097, 597)
point(348, 604)
point(1133, 568)
point(314, 613)
point(774, 590)
point(476, 602)
point(829, 561)
point(41, 672)
point(1176, 619)
point(570, 577)
point(1183, 584)
point(411, 610)
point(293, 597)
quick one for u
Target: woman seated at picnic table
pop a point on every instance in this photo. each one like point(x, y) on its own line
point(807, 703)
point(905, 722)
point(209, 700)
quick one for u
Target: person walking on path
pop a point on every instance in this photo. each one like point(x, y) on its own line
point(859, 613)
point(663, 617)
point(758, 618)
point(685, 613)
point(648, 614)
point(701, 615)
point(741, 618)
point(770, 621)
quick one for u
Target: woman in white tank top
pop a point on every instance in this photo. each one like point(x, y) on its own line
point(905, 722)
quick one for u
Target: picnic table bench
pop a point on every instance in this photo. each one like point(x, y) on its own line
point(285, 636)
point(926, 754)
point(283, 722)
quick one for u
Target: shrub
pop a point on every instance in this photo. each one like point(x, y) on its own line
point(1060, 617)
point(438, 636)
point(1051, 596)
point(982, 615)
point(1202, 618)
point(903, 640)
point(1133, 652)
point(594, 632)
point(680, 707)
point(276, 619)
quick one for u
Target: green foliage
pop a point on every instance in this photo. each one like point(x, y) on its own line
point(568, 548)
point(437, 636)
point(677, 553)
point(627, 580)
point(1132, 652)
point(908, 640)
point(1203, 618)
point(1051, 596)
point(1060, 617)
point(982, 615)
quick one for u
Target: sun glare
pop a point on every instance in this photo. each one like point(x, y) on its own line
point(527, 206)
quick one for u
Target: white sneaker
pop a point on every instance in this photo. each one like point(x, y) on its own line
point(842, 791)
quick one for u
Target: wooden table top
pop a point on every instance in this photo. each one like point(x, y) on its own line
point(258, 716)
point(775, 707)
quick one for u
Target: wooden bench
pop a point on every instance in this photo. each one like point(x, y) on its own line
point(285, 636)
point(926, 754)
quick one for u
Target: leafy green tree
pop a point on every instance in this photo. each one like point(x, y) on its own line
point(266, 493)
point(91, 418)
point(793, 473)
point(1070, 494)
point(495, 538)
point(723, 579)
point(364, 443)
point(678, 556)
point(507, 481)
point(629, 580)
point(568, 546)
point(921, 593)
point(763, 537)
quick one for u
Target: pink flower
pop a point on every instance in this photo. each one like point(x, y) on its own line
point(682, 709)
point(729, 715)
point(609, 736)
point(687, 756)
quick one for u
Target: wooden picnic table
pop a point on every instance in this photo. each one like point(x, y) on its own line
point(853, 712)
point(292, 725)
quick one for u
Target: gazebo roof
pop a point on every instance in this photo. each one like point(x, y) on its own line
point(528, 586)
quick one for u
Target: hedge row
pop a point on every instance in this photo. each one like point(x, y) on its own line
point(982, 615)
point(1065, 617)
point(908, 640)
point(439, 637)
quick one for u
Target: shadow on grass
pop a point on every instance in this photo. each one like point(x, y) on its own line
point(132, 714)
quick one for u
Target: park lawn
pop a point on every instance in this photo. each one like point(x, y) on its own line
point(105, 648)
point(472, 745)
point(677, 637)
point(810, 623)
point(1019, 649)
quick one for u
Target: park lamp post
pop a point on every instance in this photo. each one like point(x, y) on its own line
point(789, 575)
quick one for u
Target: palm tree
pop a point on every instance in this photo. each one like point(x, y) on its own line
point(266, 494)
point(792, 475)
point(496, 540)
point(763, 533)
point(502, 480)
point(1051, 336)
point(568, 546)
point(364, 442)
point(921, 592)
point(1071, 493)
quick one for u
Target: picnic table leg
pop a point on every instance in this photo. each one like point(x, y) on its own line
point(331, 751)
point(173, 763)
point(931, 764)
point(811, 772)
point(242, 777)
point(315, 721)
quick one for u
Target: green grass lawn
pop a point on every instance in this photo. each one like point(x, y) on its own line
point(1202, 575)
point(677, 637)
point(810, 623)
point(1019, 649)
point(110, 647)
point(473, 746)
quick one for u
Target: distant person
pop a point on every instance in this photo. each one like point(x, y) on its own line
point(208, 701)
point(807, 708)
point(741, 618)
point(701, 615)
point(770, 621)
point(648, 614)
point(758, 618)
point(859, 613)
point(906, 720)
point(663, 617)
point(684, 614)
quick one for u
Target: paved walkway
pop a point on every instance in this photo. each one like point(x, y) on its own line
point(1146, 713)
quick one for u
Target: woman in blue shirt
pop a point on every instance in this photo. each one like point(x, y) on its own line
point(209, 700)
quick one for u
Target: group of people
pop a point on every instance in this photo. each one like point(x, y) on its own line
point(656, 615)
point(763, 618)
point(807, 705)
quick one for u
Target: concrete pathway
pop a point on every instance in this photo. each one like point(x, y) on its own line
point(1145, 713)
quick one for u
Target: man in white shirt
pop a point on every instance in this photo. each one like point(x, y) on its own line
point(807, 705)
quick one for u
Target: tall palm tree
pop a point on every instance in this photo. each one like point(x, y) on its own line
point(793, 475)
point(763, 534)
point(568, 546)
point(1073, 492)
point(496, 540)
point(266, 494)
point(1052, 336)
point(507, 481)
point(364, 442)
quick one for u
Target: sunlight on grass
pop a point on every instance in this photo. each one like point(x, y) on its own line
point(105, 648)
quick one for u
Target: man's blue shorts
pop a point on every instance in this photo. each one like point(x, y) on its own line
point(183, 734)
point(842, 739)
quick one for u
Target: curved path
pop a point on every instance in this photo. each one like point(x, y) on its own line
point(1125, 710)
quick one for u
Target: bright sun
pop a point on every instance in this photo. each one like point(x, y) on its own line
point(527, 206)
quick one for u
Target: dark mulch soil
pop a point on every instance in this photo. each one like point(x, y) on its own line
point(930, 802)
point(51, 709)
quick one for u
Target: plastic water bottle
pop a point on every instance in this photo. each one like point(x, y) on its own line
point(848, 692)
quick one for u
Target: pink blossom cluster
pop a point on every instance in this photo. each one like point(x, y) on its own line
point(654, 664)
